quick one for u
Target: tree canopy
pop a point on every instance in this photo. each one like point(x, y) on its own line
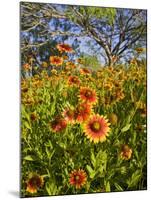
point(112, 34)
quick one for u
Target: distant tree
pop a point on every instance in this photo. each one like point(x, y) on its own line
point(114, 32)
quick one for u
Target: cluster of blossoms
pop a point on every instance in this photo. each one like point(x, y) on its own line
point(96, 127)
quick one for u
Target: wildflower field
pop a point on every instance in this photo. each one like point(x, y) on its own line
point(83, 131)
point(83, 100)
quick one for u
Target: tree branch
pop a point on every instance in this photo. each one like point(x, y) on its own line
point(130, 43)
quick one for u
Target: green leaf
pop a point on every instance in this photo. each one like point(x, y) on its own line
point(29, 158)
point(134, 137)
point(52, 109)
point(51, 188)
point(126, 128)
point(118, 187)
point(107, 187)
point(91, 171)
point(25, 115)
point(48, 188)
point(133, 181)
point(49, 144)
point(93, 159)
point(27, 125)
point(101, 158)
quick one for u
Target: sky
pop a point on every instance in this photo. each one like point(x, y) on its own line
point(86, 45)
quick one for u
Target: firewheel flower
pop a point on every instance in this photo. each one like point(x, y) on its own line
point(78, 178)
point(84, 71)
point(56, 60)
point(139, 50)
point(34, 116)
point(34, 183)
point(58, 124)
point(88, 95)
point(126, 152)
point(26, 67)
point(96, 128)
point(68, 115)
point(64, 48)
point(82, 112)
point(73, 80)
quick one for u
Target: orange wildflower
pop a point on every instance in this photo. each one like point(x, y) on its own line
point(82, 112)
point(64, 48)
point(58, 124)
point(88, 95)
point(126, 152)
point(34, 183)
point(78, 178)
point(96, 128)
point(73, 80)
point(56, 60)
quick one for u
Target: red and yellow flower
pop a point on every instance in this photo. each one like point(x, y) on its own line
point(26, 67)
point(68, 115)
point(34, 183)
point(85, 71)
point(58, 124)
point(126, 152)
point(78, 178)
point(64, 48)
point(73, 80)
point(34, 116)
point(70, 65)
point(56, 60)
point(80, 61)
point(96, 128)
point(88, 95)
point(54, 72)
point(83, 112)
point(139, 50)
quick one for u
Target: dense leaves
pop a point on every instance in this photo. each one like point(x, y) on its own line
point(56, 156)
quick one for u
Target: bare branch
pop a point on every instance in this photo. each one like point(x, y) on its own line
point(29, 46)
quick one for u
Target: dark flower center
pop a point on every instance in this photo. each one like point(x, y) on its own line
point(74, 79)
point(88, 93)
point(66, 47)
point(96, 126)
point(86, 70)
point(35, 181)
point(56, 59)
point(77, 178)
point(55, 122)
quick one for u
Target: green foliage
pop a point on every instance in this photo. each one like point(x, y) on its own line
point(91, 62)
point(107, 14)
point(134, 179)
point(99, 13)
point(51, 188)
point(54, 154)
point(126, 128)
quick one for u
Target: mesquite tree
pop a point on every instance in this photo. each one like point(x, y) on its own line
point(113, 32)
